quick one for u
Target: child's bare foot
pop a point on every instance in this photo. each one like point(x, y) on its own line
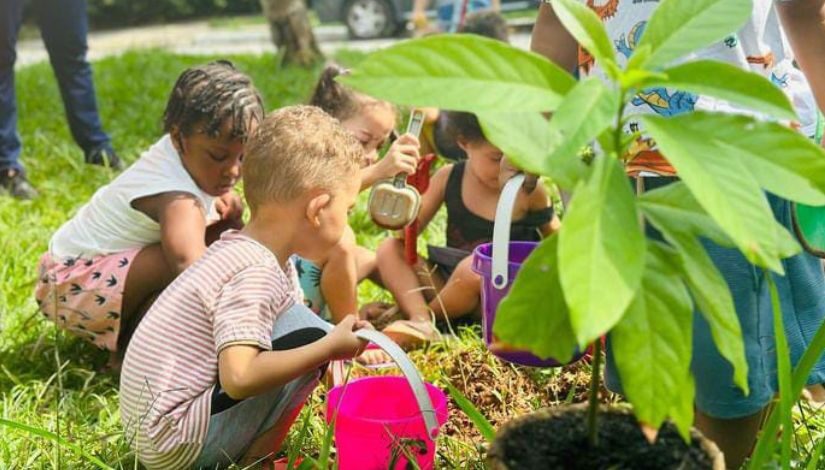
point(373, 310)
point(815, 395)
point(385, 318)
point(374, 358)
point(411, 333)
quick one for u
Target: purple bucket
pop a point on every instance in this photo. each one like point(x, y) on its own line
point(491, 297)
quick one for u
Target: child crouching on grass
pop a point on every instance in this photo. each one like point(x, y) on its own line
point(470, 190)
point(108, 262)
point(224, 360)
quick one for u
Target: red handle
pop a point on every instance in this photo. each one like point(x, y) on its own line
point(421, 181)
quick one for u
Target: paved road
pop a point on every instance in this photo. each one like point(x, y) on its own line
point(199, 38)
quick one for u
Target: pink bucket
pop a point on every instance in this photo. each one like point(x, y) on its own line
point(379, 424)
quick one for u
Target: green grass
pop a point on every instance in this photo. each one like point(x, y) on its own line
point(50, 392)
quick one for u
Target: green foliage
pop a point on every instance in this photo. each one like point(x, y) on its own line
point(678, 28)
point(721, 80)
point(676, 214)
point(719, 178)
point(601, 251)
point(481, 423)
point(443, 71)
point(652, 343)
point(538, 278)
point(586, 27)
point(726, 163)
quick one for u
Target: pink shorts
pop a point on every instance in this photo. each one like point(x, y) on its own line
point(84, 295)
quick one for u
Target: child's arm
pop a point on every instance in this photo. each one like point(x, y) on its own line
point(804, 23)
point(182, 226)
point(246, 371)
point(339, 278)
point(540, 200)
point(402, 157)
point(432, 199)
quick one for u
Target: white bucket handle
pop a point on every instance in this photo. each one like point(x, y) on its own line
point(501, 230)
point(398, 355)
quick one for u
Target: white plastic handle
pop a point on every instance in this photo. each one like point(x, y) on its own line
point(501, 230)
point(410, 373)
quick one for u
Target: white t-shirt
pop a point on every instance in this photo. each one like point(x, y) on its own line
point(759, 46)
point(109, 224)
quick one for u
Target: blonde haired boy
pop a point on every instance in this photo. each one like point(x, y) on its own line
point(222, 363)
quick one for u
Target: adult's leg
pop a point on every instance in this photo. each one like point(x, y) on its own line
point(733, 436)
point(64, 26)
point(11, 15)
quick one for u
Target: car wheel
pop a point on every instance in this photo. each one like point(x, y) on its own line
point(369, 19)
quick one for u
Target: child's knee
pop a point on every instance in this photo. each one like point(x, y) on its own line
point(464, 272)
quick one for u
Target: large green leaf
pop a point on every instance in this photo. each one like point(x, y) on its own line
point(526, 139)
point(721, 80)
point(679, 27)
point(720, 181)
point(587, 28)
point(462, 73)
point(587, 111)
point(534, 315)
point(682, 410)
point(708, 287)
point(652, 342)
point(601, 251)
point(675, 204)
point(782, 160)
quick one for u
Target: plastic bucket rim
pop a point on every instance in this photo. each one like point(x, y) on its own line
point(438, 410)
point(484, 259)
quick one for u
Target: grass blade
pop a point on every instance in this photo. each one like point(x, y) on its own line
point(813, 464)
point(783, 358)
point(57, 439)
point(481, 423)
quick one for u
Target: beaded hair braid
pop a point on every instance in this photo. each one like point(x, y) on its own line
point(207, 95)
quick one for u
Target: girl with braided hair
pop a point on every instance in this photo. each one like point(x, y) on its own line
point(107, 264)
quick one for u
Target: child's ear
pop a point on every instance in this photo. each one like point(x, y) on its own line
point(315, 206)
point(462, 143)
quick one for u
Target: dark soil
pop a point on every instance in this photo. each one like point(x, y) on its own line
point(561, 442)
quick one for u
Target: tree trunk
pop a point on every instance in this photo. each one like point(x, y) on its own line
point(291, 32)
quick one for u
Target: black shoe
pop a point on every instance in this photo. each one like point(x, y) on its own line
point(16, 184)
point(104, 156)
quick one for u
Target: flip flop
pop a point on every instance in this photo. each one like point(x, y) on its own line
point(408, 333)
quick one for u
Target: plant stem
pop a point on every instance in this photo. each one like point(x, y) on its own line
point(595, 382)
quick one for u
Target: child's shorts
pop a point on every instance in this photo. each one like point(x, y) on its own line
point(802, 295)
point(309, 276)
point(234, 425)
point(85, 295)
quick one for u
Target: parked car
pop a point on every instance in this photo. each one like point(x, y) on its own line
point(368, 19)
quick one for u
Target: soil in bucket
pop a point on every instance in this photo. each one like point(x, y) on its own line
point(557, 438)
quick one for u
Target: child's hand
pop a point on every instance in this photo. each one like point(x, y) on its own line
point(230, 208)
point(402, 157)
point(507, 170)
point(343, 342)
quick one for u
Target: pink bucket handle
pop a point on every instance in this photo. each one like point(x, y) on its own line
point(425, 404)
point(501, 230)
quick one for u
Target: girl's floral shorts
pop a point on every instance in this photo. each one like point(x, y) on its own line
point(84, 295)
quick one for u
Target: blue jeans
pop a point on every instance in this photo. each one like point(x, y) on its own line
point(63, 26)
